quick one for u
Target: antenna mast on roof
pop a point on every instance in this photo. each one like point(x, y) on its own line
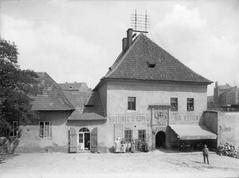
point(139, 22)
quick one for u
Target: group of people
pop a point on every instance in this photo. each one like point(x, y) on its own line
point(121, 146)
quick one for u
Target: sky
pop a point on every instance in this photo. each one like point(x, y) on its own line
point(78, 41)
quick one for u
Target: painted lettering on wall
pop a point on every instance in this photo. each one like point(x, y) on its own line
point(226, 129)
point(184, 117)
point(129, 119)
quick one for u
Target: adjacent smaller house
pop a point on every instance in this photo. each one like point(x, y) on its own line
point(48, 129)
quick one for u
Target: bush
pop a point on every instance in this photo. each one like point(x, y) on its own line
point(228, 150)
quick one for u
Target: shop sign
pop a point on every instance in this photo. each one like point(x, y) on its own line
point(128, 119)
point(178, 117)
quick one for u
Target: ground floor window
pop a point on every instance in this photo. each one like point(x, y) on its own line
point(128, 135)
point(45, 129)
point(14, 129)
point(142, 135)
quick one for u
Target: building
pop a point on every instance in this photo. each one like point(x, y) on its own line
point(146, 95)
point(225, 97)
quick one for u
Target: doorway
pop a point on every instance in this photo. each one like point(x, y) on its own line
point(84, 139)
point(160, 140)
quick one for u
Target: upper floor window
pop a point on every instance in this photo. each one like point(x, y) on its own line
point(131, 103)
point(174, 104)
point(45, 129)
point(190, 104)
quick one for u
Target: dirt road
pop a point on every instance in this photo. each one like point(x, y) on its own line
point(151, 164)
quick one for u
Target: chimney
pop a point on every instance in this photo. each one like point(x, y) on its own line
point(129, 37)
point(124, 44)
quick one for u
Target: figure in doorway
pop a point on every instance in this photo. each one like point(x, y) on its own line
point(205, 154)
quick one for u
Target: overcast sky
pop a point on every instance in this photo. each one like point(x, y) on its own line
point(79, 40)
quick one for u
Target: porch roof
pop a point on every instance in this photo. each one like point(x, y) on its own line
point(192, 132)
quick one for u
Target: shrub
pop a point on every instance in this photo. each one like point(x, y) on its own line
point(228, 150)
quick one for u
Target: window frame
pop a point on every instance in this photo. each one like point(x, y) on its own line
point(14, 130)
point(128, 135)
point(131, 104)
point(45, 129)
point(140, 135)
point(171, 103)
point(190, 101)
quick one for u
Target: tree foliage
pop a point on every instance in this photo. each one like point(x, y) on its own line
point(16, 86)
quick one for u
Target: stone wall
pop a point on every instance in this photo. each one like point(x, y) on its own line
point(224, 124)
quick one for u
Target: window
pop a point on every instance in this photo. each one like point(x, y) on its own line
point(190, 104)
point(142, 135)
point(14, 129)
point(128, 135)
point(174, 104)
point(131, 103)
point(45, 129)
point(151, 64)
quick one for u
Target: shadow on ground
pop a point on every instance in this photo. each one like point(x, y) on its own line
point(4, 157)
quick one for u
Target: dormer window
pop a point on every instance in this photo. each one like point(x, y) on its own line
point(151, 64)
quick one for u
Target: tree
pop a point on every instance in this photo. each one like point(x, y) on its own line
point(16, 86)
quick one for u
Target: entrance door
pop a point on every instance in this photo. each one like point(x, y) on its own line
point(81, 141)
point(160, 140)
point(87, 141)
point(84, 139)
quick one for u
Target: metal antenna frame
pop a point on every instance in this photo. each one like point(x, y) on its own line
point(139, 22)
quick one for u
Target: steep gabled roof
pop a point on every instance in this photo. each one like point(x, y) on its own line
point(51, 97)
point(145, 60)
point(76, 93)
point(87, 103)
point(92, 109)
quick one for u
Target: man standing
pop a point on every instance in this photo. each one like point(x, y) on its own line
point(205, 154)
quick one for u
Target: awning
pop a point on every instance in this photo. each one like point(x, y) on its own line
point(192, 132)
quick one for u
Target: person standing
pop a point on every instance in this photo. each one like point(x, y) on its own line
point(205, 154)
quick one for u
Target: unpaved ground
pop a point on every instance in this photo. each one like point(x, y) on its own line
point(152, 164)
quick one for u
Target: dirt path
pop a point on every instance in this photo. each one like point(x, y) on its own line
point(152, 164)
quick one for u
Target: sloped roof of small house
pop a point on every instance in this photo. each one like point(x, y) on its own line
point(87, 103)
point(145, 60)
point(50, 97)
point(76, 93)
point(92, 109)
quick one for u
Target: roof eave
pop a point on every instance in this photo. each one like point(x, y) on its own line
point(103, 80)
